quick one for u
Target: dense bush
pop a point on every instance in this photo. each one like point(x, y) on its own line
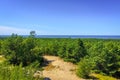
point(104, 57)
point(84, 67)
point(75, 52)
point(18, 50)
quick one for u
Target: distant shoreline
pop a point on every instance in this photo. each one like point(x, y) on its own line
point(72, 36)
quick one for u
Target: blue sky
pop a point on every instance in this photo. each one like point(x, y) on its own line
point(60, 17)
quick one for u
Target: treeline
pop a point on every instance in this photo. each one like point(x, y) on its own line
point(92, 55)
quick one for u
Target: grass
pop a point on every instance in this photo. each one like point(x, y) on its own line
point(2, 58)
point(10, 72)
point(101, 77)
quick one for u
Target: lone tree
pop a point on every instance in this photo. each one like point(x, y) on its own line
point(32, 33)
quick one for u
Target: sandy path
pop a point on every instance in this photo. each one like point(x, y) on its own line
point(59, 70)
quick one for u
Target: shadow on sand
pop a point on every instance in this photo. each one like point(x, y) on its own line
point(46, 62)
point(46, 78)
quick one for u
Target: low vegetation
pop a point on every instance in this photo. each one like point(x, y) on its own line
point(2, 59)
point(91, 55)
point(11, 72)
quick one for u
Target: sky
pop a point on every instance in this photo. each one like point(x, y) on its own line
point(60, 17)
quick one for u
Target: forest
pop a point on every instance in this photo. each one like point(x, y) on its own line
point(24, 54)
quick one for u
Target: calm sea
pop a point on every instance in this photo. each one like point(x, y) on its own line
point(73, 36)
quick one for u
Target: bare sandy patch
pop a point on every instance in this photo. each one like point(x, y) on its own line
point(57, 69)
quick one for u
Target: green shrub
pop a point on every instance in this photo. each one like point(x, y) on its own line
point(10, 72)
point(85, 67)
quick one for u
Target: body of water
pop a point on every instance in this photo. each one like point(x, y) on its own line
point(73, 36)
point(79, 36)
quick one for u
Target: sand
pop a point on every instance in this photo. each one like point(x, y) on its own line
point(58, 69)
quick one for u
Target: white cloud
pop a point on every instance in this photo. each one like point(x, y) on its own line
point(6, 30)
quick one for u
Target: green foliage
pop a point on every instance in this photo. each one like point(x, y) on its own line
point(85, 67)
point(100, 56)
point(72, 52)
point(101, 77)
point(104, 56)
point(62, 50)
point(20, 50)
point(10, 72)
